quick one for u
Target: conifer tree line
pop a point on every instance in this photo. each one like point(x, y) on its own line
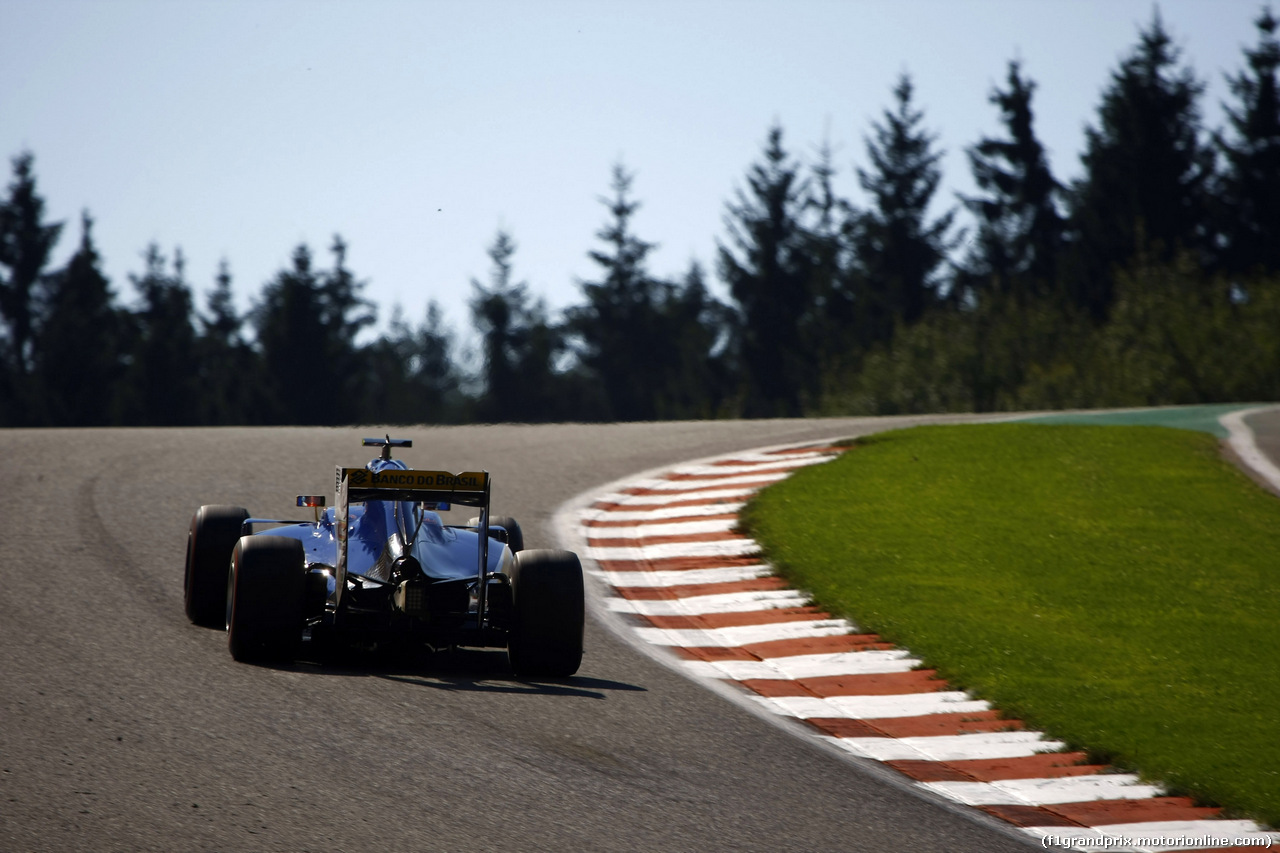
point(1153, 278)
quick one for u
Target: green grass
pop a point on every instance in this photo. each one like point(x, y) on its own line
point(1116, 587)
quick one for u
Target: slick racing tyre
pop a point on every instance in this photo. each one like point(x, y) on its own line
point(265, 590)
point(548, 612)
point(212, 536)
point(514, 536)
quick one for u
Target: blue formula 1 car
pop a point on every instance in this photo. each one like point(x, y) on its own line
point(381, 568)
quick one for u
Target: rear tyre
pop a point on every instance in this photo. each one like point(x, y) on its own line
point(265, 590)
point(514, 536)
point(212, 536)
point(548, 613)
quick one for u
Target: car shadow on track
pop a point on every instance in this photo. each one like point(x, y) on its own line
point(572, 686)
point(460, 670)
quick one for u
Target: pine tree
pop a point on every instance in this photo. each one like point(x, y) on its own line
point(26, 241)
point(387, 393)
point(694, 328)
point(834, 328)
point(411, 374)
point(518, 343)
point(1251, 183)
point(900, 252)
point(432, 370)
point(222, 323)
point(768, 270)
point(1146, 170)
point(625, 344)
point(292, 338)
point(1020, 229)
point(345, 314)
point(77, 361)
point(307, 323)
point(161, 380)
point(229, 374)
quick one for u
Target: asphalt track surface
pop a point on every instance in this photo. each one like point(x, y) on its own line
point(1265, 427)
point(124, 727)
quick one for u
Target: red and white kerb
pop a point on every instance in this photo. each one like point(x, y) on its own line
point(683, 579)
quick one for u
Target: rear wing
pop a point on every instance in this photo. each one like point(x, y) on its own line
point(469, 488)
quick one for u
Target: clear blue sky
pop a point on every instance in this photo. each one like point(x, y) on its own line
point(238, 129)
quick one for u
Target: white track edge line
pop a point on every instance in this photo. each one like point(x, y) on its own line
point(1245, 444)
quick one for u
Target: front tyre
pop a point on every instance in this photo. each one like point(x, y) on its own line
point(548, 614)
point(212, 536)
point(265, 592)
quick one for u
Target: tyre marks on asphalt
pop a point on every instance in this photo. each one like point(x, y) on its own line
point(100, 547)
point(681, 577)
